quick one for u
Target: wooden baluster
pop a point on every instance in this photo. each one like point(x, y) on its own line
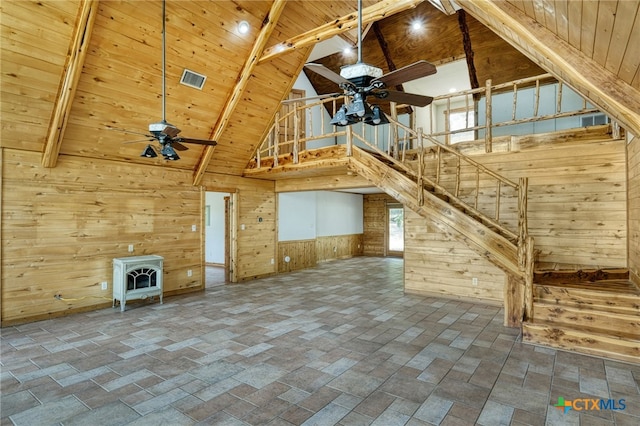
point(515, 101)
point(466, 108)
point(498, 200)
point(438, 148)
point(394, 115)
point(522, 210)
point(559, 98)
point(310, 121)
point(487, 135)
point(528, 279)
point(420, 168)
point(457, 177)
point(536, 103)
point(349, 131)
point(276, 139)
point(447, 123)
point(296, 134)
point(477, 187)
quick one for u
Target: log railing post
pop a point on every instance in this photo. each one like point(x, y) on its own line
point(528, 279)
point(276, 140)
point(420, 168)
point(296, 134)
point(488, 138)
point(522, 220)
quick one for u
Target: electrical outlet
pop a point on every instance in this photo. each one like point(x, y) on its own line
point(189, 272)
point(474, 281)
point(242, 227)
point(335, 249)
point(194, 228)
point(130, 248)
point(104, 285)
point(273, 261)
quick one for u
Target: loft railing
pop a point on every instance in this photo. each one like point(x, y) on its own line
point(439, 164)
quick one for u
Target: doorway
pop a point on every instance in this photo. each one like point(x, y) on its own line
point(217, 225)
point(395, 230)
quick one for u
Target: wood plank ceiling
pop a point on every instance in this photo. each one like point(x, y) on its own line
point(120, 82)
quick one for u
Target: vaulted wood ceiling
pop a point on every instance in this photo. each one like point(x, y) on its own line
point(119, 82)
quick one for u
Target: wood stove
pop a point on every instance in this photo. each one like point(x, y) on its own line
point(136, 277)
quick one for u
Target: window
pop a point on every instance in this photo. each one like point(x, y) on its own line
point(461, 118)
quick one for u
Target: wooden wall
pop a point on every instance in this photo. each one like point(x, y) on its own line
point(301, 253)
point(577, 196)
point(62, 227)
point(256, 243)
point(436, 264)
point(307, 253)
point(577, 215)
point(633, 158)
point(374, 225)
point(338, 247)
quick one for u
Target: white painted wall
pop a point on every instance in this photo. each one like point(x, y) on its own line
point(296, 216)
point(339, 213)
point(310, 214)
point(214, 231)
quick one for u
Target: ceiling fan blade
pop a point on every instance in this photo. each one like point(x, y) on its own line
point(117, 129)
point(328, 74)
point(195, 141)
point(178, 146)
point(311, 98)
point(410, 72)
point(171, 131)
point(404, 98)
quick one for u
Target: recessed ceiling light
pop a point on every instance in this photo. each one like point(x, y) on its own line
point(243, 27)
point(416, 25)
point(347, 50)
point(452, 90)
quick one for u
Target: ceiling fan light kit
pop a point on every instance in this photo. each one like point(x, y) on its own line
point(360, 80)
point(164, 133)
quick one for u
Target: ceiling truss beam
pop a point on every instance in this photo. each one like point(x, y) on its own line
point(87, 12)
point(373, 13)
point(237, 91)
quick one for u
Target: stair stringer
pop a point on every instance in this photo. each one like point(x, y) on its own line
point(477, 236)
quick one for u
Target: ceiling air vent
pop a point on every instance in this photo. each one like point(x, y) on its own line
point(193, 79)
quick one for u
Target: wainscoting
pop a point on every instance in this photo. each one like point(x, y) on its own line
point(302, 254)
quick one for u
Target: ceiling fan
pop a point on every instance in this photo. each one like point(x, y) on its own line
point(360, 80)
point(164, 133)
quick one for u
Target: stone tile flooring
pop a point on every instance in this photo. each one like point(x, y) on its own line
point(337, 344)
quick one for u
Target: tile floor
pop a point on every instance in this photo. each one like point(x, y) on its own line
point(337, 344)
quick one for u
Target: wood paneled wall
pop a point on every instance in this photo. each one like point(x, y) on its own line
point(62, 227)
point(437, 264)
point(577, 197)
point(307, 253)
point(256, 243)
point(301, 253)
point(375, 225)
point(633, 158)
point(338, 247)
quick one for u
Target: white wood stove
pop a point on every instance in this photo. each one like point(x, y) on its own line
point(136, 277)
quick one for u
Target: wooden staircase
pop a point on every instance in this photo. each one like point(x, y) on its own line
point(455, 218)
point(594, 312)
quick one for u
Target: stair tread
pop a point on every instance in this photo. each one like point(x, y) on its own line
point(615, 334)
point(605, 286)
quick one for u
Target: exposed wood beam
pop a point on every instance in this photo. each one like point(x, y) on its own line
point(372, 13)
point(87, 12)
point(236, 93)
point(618, 99)
point(468, 50)
point(448, 7)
